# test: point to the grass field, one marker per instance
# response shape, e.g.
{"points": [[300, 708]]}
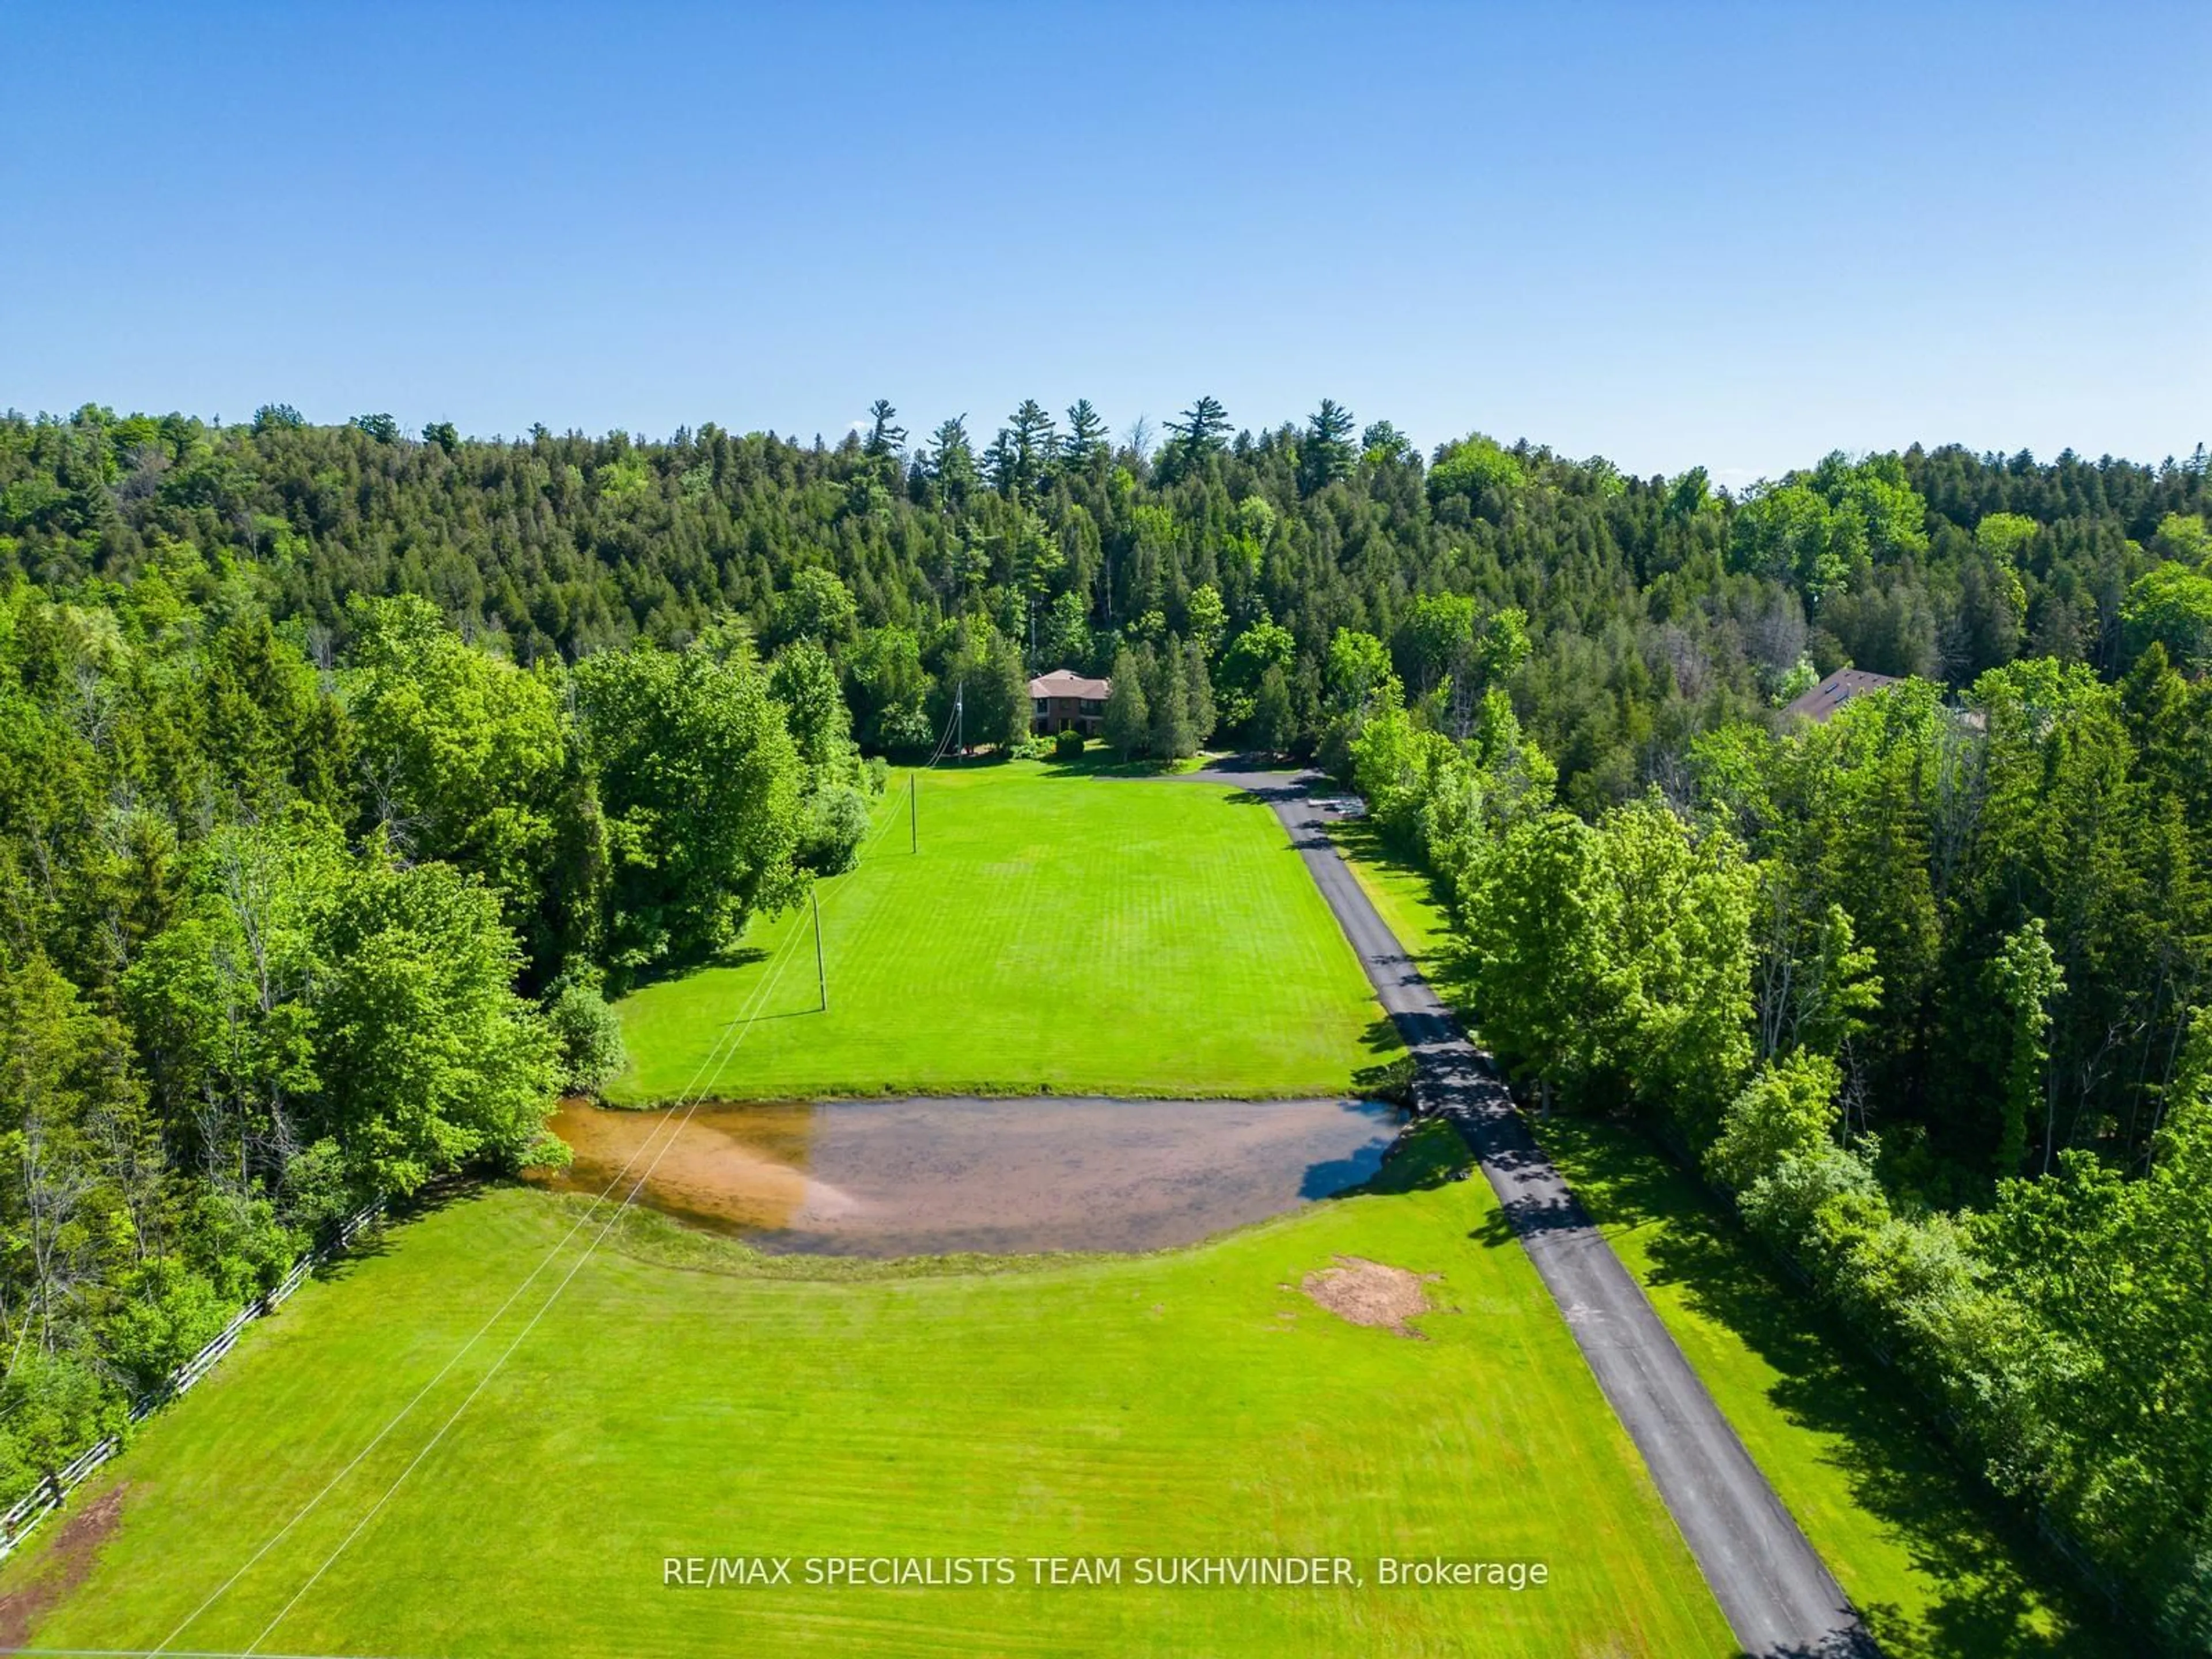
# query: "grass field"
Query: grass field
{"points": [[1931, 1560], [1057, 931], [1193, 1402]]}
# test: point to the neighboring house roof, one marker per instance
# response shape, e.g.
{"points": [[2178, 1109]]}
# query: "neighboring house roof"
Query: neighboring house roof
{"points": [[1066, 683], [1838, 688]]}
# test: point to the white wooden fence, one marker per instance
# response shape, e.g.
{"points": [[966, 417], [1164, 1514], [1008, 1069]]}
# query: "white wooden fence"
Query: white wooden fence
{"points": [[17, 1524]]}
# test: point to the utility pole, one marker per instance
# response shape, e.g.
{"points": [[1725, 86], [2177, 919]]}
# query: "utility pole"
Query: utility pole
{"points": [[913, 817], [821, 977], [960, 717]]}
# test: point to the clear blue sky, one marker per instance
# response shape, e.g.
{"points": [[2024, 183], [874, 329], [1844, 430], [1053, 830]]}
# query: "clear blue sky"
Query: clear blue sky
{"points": [[1669, 234]]}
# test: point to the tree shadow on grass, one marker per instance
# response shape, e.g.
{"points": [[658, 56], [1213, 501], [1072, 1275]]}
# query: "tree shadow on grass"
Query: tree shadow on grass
{"points": [[737, 956], [1105, 763], [1380, 1035], [368, 1244], [375, 1239], [976, 760], [1390, 1078], [1444, 961], [1361, 838], [738, 1020], [1984, 1559], [1449, 968], [659, 973]]}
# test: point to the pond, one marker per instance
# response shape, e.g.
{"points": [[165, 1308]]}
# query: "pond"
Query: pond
{"points": [[920, 1177]]}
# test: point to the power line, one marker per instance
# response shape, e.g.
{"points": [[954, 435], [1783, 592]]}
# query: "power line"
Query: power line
{"points": [[781, 960], [718, 1058], [400, 1416]]}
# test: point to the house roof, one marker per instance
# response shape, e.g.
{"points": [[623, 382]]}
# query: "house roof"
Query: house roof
{"points": [[1838, 688], [1066, 683]]}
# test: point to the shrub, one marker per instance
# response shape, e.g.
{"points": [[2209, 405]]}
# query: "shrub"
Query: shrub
{"points": [[53, 1406], [1787, 1110], [836, 822], [168, 1314], [589, 1035], [1813, 1205], [905, 729], [319, 1189], [1391, 1081], [1067, 745]]}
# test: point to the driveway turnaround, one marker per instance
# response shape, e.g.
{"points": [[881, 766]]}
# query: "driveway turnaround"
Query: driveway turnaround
{"points": [[1779, 1599]]}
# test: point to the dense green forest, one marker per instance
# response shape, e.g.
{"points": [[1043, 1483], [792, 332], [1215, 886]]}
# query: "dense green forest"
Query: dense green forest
{"points": [[343, 772]]}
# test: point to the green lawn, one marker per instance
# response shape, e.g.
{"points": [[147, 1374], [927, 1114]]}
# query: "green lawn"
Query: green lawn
{"points": [[1057, 931], [1193, 1402], [1935, 1564]]}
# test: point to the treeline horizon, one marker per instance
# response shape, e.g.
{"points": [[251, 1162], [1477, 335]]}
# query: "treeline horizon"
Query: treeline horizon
{"points": [[1142, 437], [1656, 605]]}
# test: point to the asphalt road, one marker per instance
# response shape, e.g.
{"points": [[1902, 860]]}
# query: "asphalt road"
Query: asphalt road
{"points": [[1779, 1597]]}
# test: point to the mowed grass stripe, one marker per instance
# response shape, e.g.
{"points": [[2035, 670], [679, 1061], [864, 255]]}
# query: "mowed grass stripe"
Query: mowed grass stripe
{"points": [[1056, 932], [1193, 1402]]}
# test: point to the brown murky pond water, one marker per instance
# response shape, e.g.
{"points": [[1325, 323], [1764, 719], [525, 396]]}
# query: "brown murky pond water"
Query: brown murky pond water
{"points": [[918, 1178]]}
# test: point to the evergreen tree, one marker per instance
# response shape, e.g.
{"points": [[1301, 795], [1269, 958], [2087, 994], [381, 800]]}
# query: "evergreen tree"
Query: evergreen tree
{"points": [[1325, 454], [885, 437], [1201, 432], [1167, 692], [1128, 715], [1198, 692], [1274, 722], [1085, 438], [1002, 463], [1035, 449], [2024, 978], [982, 672], [950, 461]]}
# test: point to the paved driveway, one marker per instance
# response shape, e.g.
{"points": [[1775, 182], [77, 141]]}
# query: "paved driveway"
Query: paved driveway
{"points": [[1779, 1596]]}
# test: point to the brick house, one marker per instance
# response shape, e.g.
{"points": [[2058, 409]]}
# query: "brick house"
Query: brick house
{"points": [[1063, 700]]}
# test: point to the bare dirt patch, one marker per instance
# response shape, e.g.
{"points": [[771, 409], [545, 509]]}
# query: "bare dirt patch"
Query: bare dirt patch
{"points": [[1364, 1292], [68, 1563], [928, 1176]]}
